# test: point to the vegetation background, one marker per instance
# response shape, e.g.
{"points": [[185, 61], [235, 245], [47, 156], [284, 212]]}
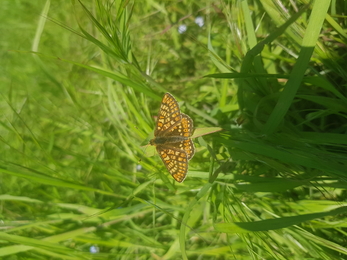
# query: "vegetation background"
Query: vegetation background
{"points": [[81, 82]]}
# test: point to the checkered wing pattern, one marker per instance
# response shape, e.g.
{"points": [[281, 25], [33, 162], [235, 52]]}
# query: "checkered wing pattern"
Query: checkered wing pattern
{"points": [[172, 138], [169, 115], [184, 129], [175, 161]]}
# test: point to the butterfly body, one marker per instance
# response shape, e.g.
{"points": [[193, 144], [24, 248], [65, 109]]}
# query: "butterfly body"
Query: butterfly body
{"points": [[172, 138], [167, 140]]}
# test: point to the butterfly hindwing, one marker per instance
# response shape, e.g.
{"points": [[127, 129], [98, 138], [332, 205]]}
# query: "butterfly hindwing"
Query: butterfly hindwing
{"points": [[175, 161]]}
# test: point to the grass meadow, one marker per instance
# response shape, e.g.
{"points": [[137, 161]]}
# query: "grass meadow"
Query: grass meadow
{"points": [[265, 83]]}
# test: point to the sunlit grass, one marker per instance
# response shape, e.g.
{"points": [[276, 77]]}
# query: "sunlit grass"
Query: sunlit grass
{"points": [[81, 87]]}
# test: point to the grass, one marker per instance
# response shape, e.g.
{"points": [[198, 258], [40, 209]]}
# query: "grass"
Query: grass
{"points": [[81, 84]]}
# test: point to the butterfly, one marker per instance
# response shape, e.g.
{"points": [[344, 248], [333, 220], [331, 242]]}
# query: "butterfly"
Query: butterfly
{"points": [[172, 138]]}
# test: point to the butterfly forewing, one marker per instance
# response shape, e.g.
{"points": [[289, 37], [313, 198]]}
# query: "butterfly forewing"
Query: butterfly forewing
{"points": [[183, 129], [169, 115]]}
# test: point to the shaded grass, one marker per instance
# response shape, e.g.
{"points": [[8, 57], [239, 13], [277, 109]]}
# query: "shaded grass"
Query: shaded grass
{"points": [[73, 171]]}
